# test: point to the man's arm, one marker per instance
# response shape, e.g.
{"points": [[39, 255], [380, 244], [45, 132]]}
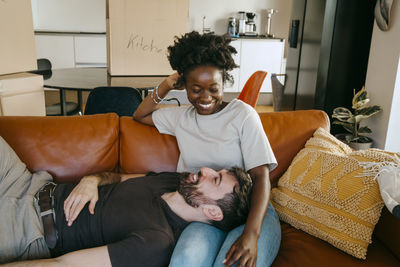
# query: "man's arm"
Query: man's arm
{"points": [[86, 191], [87, 257]]}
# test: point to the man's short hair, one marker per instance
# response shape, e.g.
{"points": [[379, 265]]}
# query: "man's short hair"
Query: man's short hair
{"points": [[236, 205]]}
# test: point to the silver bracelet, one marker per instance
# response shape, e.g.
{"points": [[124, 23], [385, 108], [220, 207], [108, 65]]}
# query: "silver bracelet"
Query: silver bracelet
{"points": [[154, 100], [158, 97]]}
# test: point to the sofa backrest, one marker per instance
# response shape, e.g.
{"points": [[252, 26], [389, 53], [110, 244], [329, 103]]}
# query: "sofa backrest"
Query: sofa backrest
{"points": [[288, 131], [143, 149], [67, 147]]}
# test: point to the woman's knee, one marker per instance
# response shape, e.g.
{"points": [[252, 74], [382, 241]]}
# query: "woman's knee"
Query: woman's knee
{"points": [[197, 246], [270, 238], [268, 242]]}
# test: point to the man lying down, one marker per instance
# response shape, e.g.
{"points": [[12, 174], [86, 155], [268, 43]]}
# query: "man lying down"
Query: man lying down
{"points": [[135, 222]]}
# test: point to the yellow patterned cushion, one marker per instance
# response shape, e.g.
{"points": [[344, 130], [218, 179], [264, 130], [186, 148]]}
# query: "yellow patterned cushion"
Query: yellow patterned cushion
{"points": [[326, 193]]}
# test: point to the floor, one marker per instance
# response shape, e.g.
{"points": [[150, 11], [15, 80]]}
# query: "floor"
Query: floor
{"points": [[262, 109]]}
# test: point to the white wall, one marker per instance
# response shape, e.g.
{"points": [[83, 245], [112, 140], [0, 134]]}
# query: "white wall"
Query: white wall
{"points": [[34, 4], [383, 70], [392, 137]]}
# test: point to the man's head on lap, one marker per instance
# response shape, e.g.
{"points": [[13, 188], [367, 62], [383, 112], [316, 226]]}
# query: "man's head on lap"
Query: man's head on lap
{"points": [[225, 194]]}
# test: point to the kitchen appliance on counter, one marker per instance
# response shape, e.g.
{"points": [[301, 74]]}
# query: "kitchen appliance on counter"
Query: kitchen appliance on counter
{"points": [[270, 12], [250, 24], [205, 29], [232, 32], [242, 23]]}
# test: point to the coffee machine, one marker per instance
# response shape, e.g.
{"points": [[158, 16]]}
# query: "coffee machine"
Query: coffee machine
{"points": [[250, 24]]}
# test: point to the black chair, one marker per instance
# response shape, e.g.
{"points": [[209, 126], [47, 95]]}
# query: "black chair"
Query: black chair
{"points": [[121, 100], [44, 68]]}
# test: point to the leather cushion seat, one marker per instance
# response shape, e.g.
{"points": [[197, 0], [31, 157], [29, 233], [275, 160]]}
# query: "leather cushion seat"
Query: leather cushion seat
{"points": [[301, 249]]}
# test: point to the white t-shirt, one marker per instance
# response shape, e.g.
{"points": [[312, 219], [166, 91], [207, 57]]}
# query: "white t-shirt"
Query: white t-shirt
{"points": [[231, 137]]}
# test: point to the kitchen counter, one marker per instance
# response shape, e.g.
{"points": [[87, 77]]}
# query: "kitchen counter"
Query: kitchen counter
{"points": [[263, 37]]}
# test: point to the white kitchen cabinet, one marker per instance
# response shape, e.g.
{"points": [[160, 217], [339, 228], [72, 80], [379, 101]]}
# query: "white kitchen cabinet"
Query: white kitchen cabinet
{"points": [[59, 49], [90, 51], [72, 50], [254, 55], [266, 55]]}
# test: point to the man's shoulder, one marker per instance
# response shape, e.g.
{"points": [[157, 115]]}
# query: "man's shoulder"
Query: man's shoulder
{"points": [[161, 181], [171, 174]]}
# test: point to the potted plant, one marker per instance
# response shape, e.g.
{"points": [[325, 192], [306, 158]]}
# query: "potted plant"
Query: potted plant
{"points": [[350, 121]]}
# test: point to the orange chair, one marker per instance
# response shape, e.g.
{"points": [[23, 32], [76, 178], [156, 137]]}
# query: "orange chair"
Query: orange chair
{"points": [[251, 89]]}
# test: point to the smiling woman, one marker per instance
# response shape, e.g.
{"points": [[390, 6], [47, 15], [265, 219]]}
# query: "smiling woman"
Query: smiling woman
{"points": [[204, 90], [219, 135]]}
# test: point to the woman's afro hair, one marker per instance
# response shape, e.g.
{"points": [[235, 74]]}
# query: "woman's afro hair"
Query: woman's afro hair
{"points": [[193, 49]]}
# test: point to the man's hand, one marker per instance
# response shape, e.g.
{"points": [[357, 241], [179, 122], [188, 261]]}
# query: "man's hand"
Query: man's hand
{"points": [[83, 192], [245, 249]]}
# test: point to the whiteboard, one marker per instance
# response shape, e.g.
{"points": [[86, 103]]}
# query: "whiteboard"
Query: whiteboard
{"points": [[69, 15]]}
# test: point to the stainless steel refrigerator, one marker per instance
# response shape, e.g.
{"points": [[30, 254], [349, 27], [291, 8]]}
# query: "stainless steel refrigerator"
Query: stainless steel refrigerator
{"points": [[329, 43]]}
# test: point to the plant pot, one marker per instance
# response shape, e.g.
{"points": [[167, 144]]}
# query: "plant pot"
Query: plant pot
{"points": [[342, 137], [360, 146], [353, 145]]}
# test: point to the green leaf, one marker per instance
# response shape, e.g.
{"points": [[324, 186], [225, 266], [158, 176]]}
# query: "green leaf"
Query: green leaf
{"points": [[347, 126], [362, 139], [368, 111], [360, 99], [360, 104], [350, 138], [342, 123], [342, 114], [359, 118], [364, 129]]}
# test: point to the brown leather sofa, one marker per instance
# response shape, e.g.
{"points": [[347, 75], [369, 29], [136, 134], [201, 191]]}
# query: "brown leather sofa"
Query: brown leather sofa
{"points": [[71, 147]]}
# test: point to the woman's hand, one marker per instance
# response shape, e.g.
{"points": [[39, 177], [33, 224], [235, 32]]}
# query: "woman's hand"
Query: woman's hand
{"points": [[245, 250], [145, 110], [85, 191], [172, 81]]}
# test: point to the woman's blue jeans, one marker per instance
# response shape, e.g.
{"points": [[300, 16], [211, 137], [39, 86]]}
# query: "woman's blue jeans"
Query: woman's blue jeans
{"points": [[202, 245]]}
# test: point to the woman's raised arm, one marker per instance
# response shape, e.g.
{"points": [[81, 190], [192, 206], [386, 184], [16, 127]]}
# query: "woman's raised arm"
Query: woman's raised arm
{"points": [[144, 112]]}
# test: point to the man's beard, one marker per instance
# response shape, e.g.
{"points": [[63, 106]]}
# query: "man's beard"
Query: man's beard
{"points": [[190, 193]]}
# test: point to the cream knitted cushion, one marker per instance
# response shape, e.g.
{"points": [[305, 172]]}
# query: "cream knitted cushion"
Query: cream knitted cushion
{"points": [[327, 193]]}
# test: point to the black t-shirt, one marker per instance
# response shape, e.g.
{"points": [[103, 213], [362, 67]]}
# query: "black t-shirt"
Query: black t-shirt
{"points": [[131, 218]]}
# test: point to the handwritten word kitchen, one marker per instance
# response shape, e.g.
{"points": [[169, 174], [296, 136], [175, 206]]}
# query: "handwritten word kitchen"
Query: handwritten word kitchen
{"points": [[137, 41]]}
